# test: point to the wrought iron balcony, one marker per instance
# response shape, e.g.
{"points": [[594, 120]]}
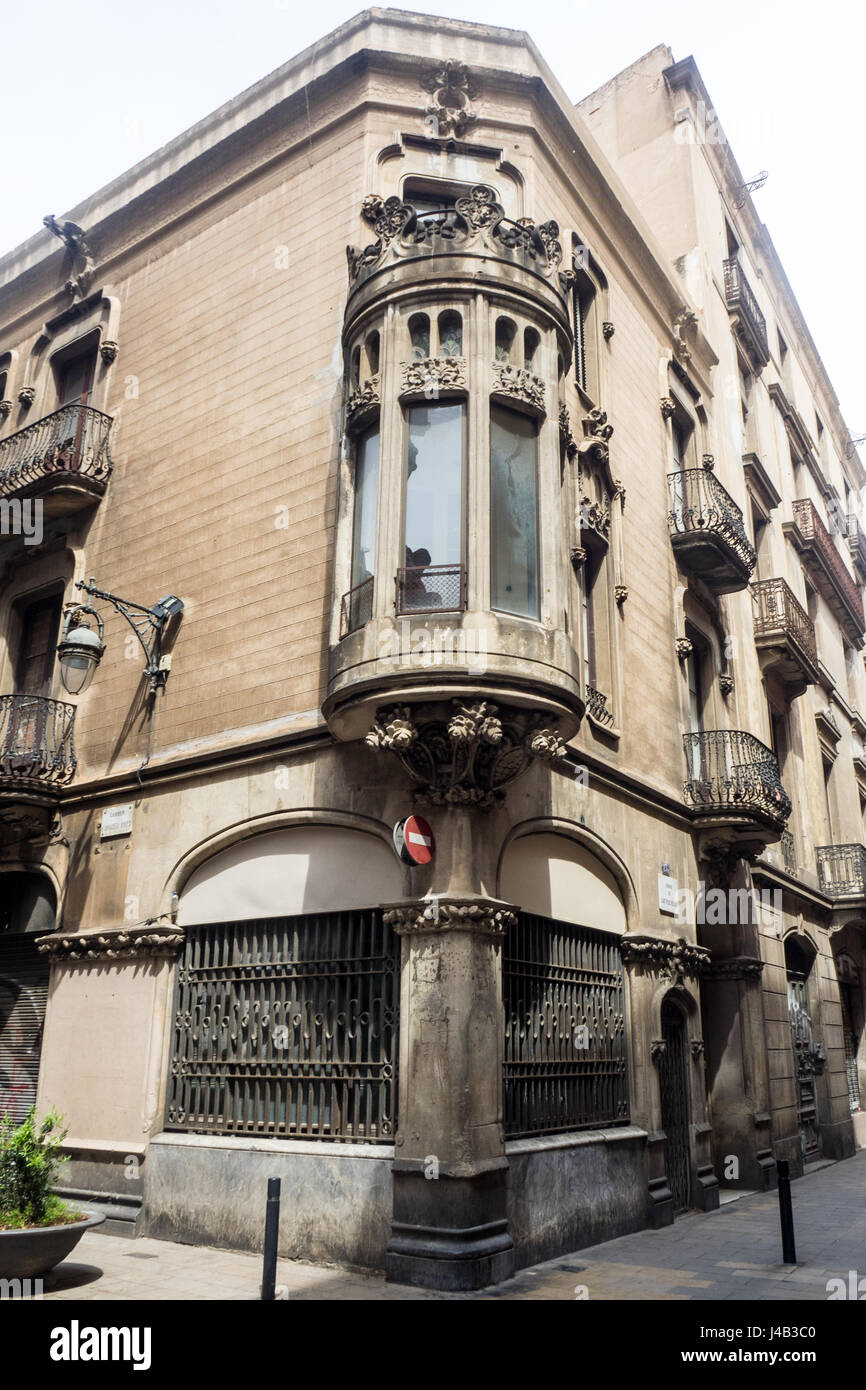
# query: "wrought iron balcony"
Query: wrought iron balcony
{"points": [[431, 589], [37, 757], [732, 775], [826, 566], [784, 634], [356, 607], [596, 707], [707, 531], [62, 458], [842, 870], [856, 539], [750, 324]]}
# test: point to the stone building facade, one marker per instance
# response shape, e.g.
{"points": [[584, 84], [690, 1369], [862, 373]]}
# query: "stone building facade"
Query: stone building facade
{"points": [[534, 514]]}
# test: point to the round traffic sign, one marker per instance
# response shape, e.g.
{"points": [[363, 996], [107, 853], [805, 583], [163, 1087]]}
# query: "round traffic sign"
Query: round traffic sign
{"points": [[414, 841]]}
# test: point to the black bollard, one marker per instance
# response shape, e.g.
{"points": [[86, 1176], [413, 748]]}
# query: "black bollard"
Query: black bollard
{"points": [[272, 1229], [786, 1213]]}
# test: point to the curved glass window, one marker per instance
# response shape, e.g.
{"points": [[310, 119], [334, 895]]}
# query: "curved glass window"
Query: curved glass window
{"points": [[513, 512]]}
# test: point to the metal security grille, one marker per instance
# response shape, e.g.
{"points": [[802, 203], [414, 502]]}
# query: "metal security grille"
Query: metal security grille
{"points": [[288, 1027], [804, 1062], [23, 994], [849, 1041], [565, 1051], [673, 1088]]}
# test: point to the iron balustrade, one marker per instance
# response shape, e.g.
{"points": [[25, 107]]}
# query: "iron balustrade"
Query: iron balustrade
{"points": [[740, 298], [431, 589], [778, 611], [596, 706], [789, 852], [699, 503], [732, 771], [288, 1028], [842, 870], [565, 1045], [813, 530], [36, 741], [72, 440], [356, 607], [856, 540]]}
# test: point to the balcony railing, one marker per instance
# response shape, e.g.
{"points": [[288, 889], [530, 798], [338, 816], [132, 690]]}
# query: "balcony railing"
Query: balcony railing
{"points": [[596, 706], [705, 520], [72, 442], [842, 870], [36, 743], [740, 299], [781, 620], [729, 771], [856, 541], [431, 589], [819, 544], [356, 607]]}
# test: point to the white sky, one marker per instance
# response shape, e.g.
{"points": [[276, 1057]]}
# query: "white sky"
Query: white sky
{"points": [[95, 85]]}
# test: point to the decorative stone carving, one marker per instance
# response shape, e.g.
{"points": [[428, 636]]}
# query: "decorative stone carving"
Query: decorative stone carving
{"points": [[469, 757], [667, 407], [619, 491], [697, 1046], [596, 436], [27, 395], [433, 375], [594, 516], [608, 330], [5, 408], [451, 914], [684, 647], [620, 593], [521, 385], [108, 351], [672, 961], [363, 402], [74, 239], [726, 683], [577, 555], [567, 439], [658, 1047], [452, 88], [735, 968], [685, 319], [709, 462], [152, 939], [549, 233]]}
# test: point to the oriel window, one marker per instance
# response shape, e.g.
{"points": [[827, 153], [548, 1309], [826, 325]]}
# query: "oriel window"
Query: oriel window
{"points": [[513, 512]]}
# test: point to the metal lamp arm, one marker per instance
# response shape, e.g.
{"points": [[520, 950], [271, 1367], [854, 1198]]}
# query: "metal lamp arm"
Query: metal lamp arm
{"points": [[147, 626]]}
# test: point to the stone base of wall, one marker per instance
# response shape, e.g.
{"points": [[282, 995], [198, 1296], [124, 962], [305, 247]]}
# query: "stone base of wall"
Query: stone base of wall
{"points": [[336, 1199], [837, 1140], [106, 1176], [859, 1123], [568, 1191]]}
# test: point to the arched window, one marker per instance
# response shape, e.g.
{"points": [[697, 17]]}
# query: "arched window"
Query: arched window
{"points": [[450, 334], [513, 512], [355, 369], [530, 347], [371, 348], [419, 336], [506, 332]]}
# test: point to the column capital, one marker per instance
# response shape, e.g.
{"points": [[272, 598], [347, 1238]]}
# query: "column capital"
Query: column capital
{"points": [[465, 913]]}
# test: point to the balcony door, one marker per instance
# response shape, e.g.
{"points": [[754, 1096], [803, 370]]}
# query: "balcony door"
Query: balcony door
{"points": [[24, 751], [696, 665], [74, 385]]}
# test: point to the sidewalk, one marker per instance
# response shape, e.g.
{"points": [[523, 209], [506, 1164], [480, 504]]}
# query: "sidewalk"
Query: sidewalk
{"points": [[733, 1253]]}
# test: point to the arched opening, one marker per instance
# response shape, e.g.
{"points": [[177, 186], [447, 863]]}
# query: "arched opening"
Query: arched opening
{"points": [[675, 1105], [27, 911], [419, 336], [799, 959], [506, 332], [450, 334]]}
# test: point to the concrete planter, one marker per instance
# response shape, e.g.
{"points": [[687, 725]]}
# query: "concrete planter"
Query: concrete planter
{"points": [[24, 1254]]}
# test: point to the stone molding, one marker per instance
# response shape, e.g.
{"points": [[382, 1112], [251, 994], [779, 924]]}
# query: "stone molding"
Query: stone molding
{"points": [[114, 944], [363, 403], [484, 917], [670, 960], [430, 376], [452, 88], [734, 968], [518, 384]]}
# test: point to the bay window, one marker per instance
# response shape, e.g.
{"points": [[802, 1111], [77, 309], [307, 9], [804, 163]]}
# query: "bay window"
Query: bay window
{"points": [[513, 512], [432, 579]]}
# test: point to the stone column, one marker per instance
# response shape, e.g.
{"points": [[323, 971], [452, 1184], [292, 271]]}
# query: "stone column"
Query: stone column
{"points": [[450, 1227]]}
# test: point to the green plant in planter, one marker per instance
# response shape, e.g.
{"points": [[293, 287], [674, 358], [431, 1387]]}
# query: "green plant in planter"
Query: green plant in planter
{"points": [[30, 1161]]}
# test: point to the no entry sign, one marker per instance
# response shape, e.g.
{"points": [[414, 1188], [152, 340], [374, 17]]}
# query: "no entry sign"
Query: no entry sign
{"points": [[413, 840]]}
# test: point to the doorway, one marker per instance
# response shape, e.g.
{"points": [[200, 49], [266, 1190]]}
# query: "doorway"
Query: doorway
{"points": [[676, 1110], [798, 965]]}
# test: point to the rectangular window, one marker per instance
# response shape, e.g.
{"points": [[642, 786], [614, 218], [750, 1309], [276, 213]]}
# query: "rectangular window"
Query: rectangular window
{"points": [[513, 513], [360, 596], [432, 580], [40, 622]]}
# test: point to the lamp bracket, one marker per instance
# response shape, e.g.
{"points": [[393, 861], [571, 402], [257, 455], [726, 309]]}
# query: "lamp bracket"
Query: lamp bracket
{"points": [[148, 625]]}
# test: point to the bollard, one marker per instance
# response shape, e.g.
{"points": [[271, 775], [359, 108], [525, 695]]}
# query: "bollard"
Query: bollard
{"points": [[786, 1213], [272, 1228]]}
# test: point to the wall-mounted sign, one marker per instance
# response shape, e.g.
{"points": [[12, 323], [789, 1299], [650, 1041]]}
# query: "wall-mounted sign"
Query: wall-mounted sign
{"points": [[414, 841], [116, 820], [668, 894]]}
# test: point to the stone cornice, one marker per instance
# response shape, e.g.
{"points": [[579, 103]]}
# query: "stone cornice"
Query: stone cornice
{"points": [[485, 916], [734, 968], [150, 940], [669, 959]]}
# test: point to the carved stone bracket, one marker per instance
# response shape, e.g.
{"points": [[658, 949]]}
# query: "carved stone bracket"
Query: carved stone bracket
{"points": [[567, 439], [108, 351], [518, 384], [486, 917], [115, 944], [27, 395], [430, 376], [671, 960], [726, 683], [5, 408], [594, 516], [608, 330], [596, 436], [697, 1046], [620, 593], [734, 968], [685, 320], [577, 555], [684, 648], [658, 1047], [469, 757], [667, 407], [363, 403], [452, 88]]}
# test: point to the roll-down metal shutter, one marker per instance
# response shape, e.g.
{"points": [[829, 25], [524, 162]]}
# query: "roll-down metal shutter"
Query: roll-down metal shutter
{"points": [[23, 994]]}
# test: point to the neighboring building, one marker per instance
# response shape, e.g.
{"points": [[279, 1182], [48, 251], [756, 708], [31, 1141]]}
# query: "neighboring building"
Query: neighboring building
{"points": [[539, 519]]}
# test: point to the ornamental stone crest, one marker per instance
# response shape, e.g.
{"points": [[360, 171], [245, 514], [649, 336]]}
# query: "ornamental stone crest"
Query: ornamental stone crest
{"points": [[362, 403], [519, 384], [594, 516], [596, 436], [153, 939], [452, 89], [468, 757], [567, 439], [433, 375], [686, 320]]}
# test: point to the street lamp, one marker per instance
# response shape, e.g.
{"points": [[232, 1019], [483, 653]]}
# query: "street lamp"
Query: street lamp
{"points": [[80, 648]]}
